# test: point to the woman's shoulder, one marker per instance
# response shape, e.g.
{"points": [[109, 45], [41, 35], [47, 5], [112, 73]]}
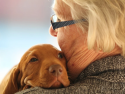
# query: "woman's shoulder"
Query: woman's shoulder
{"points": [[112, 63]]}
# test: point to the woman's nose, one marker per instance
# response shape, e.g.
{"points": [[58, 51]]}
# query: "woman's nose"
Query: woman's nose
{"points": [[52, 32]]}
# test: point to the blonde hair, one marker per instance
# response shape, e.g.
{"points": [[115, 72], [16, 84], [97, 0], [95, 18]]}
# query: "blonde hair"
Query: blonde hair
{"points": [[105, 22]]}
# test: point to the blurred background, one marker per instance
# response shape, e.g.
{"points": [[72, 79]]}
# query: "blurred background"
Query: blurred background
{"points": [[23, 23]]}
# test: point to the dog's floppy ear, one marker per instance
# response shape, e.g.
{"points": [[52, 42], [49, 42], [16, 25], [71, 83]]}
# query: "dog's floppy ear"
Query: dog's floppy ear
{"points": [[13, 84]]}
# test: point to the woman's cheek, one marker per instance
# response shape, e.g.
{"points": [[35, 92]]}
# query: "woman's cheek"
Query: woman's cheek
{"points": [[61, 38]]}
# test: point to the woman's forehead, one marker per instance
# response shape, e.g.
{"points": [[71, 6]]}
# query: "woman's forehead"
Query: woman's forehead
{"points": [[58, 6], [61, 9]]}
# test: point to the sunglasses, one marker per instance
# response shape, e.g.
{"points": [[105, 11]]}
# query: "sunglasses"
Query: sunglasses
{"points": [[57, 23]]}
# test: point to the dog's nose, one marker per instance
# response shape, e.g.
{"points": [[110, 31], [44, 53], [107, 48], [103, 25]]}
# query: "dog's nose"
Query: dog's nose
{"points": [[56, 70]]}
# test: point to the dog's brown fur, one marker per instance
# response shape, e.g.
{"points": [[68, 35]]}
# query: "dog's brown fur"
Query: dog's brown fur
{"points": [[30, 73]]}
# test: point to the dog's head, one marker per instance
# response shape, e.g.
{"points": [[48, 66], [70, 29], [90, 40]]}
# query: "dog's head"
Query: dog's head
{"points": [[43, 66]]}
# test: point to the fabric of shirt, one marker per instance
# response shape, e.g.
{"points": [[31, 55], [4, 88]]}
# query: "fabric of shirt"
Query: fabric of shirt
{"points": [[104, 76]]}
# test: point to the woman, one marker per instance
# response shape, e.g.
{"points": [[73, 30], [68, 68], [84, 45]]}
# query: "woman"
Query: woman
{"points": [[100, 34], [93, 43]]}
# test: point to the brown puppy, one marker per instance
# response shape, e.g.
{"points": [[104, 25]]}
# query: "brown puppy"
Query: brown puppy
{"points": [[42, 65]]}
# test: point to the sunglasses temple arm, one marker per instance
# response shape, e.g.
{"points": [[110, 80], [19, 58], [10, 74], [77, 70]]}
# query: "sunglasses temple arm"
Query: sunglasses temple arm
{"points": [[62, 24], [65, 23]]}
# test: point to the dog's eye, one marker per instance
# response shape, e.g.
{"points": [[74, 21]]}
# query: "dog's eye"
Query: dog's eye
{"points": [[33, 59], [60, 55]]}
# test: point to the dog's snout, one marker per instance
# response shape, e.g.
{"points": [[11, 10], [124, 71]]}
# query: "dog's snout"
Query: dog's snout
{"points": [[56, 70]]}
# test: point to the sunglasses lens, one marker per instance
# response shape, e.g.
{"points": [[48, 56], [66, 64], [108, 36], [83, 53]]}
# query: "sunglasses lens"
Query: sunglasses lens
{"points": [[54, 18]]}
